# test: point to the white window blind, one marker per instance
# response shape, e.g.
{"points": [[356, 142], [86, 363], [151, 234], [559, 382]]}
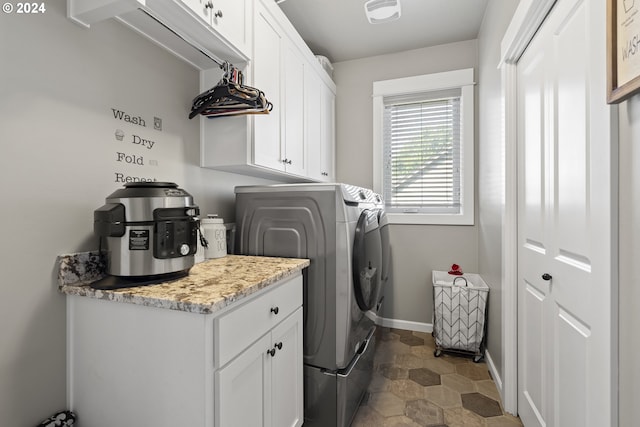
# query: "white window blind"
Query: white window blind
{"points": [[423, 152]]}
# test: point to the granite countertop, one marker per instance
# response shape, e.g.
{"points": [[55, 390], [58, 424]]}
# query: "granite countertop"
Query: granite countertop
{"points": [[210, 286]]}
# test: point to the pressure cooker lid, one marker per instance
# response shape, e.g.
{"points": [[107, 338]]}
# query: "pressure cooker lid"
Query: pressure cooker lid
{"points": [[151, 184], [153, 189]]}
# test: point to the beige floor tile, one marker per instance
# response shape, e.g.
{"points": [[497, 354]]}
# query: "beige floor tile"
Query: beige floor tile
{"points": [[378, 383], [458, 383], [424, 413], [367, 417], [440, 366], [393, 371], [422, 351], [387, 350], [409, 361], [488, 388], [474, 371], [412, 340], [443, 396], [460, 417], [406, 389], [455, 359], [388, 336], [386, 403], [504, 421], [400, 421]]}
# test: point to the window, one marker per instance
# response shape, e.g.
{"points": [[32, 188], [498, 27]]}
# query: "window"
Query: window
{"points": [[423, 147]]}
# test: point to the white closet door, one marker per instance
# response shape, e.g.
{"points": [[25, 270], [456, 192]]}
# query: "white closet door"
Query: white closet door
{"points": [[565, 215]]}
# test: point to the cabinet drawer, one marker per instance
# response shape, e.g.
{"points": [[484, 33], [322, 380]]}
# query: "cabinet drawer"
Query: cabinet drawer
{"points": [[237, 329]]}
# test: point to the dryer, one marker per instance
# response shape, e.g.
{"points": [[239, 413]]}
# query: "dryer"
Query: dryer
{"points": [[337, 227]]}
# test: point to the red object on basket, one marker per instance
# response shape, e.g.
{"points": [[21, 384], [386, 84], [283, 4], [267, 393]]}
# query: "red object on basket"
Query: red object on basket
{"points": [[455, 270]]}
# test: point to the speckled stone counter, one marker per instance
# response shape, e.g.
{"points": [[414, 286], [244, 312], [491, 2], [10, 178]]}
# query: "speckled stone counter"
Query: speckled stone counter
{"points": [[209, 287]]}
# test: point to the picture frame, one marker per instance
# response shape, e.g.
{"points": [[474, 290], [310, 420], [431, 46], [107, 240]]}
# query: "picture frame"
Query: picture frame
{"points": [[623, 49]]}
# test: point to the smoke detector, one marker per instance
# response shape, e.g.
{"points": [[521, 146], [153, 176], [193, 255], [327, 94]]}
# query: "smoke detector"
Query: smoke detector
{"points": [[381, 11]]}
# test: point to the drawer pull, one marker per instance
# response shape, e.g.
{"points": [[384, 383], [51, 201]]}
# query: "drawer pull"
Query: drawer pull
{"points": [[275, 310], [271, 352], [279, 345]]}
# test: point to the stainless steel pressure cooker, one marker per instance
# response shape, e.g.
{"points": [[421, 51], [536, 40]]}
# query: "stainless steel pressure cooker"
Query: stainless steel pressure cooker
{"points": [[151, 230]]}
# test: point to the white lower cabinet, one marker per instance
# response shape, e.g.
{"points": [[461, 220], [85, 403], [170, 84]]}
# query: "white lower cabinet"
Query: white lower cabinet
{"points": [[266, 377], [134, 365]]}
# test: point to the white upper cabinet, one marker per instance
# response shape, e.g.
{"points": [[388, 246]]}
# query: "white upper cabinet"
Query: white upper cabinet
{"points": [[268, 53], [293, 118], [229, 18], [320, 128], [294, 142], [278, 70]]}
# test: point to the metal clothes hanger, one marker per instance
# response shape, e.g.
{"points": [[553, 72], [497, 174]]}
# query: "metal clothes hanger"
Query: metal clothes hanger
{"points": [[230, 97]]}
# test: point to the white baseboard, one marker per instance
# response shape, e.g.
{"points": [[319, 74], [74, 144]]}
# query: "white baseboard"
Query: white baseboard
{"points": [[400, 324], [494, 373]]}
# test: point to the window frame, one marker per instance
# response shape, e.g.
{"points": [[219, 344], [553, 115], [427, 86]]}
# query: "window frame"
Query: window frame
{"points": [[457, 79]]}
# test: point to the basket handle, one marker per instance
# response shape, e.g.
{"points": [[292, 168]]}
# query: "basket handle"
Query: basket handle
{"points": [[460, 277]]}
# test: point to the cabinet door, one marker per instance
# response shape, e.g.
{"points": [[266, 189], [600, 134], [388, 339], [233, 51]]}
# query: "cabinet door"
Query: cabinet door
{"points": [[313, 122], [241, 388], [286, 373], [293, 118], [267, 55], [200, 8], [228, 17], [328, 138]]}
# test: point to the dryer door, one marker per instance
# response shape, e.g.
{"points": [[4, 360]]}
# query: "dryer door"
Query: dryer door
{"points": [[367, 260]]}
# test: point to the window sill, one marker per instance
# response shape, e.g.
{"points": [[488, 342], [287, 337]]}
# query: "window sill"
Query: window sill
{"points": [[430, 219]]}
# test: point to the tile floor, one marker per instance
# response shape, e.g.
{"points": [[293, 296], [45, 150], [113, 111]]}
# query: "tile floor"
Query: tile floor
{"points": [[412, 388]]}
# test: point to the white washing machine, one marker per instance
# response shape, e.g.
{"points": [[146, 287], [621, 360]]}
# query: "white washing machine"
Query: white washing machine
{"points": [[337, 227]]}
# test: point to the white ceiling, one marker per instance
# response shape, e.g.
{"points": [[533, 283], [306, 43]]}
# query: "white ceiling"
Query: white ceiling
{"points": [[339, 30]]}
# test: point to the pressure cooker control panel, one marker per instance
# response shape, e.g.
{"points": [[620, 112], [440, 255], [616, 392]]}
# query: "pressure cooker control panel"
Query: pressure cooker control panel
{"points": [[175, 233]]}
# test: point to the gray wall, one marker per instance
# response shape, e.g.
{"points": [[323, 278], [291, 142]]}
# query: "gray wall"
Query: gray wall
{"points": [[417, 250], [57, 87], [491, 165], [629, 268]]}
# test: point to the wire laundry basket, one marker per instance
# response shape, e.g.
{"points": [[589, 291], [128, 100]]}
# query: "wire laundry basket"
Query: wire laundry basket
{"points": [[460, 313]]}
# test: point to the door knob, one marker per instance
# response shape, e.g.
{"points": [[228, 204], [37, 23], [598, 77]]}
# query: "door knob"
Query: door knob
{"points": [[546, 276]]}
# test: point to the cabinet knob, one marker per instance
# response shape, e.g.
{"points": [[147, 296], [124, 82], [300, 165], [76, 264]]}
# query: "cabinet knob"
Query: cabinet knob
{"points": [[218, 14], [275, 310], [279, 345], [286, 161], [271, 352], [209, 5], [546, 276]]}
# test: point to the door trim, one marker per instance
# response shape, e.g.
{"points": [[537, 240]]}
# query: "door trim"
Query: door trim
{"points": [[525, 23]]}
